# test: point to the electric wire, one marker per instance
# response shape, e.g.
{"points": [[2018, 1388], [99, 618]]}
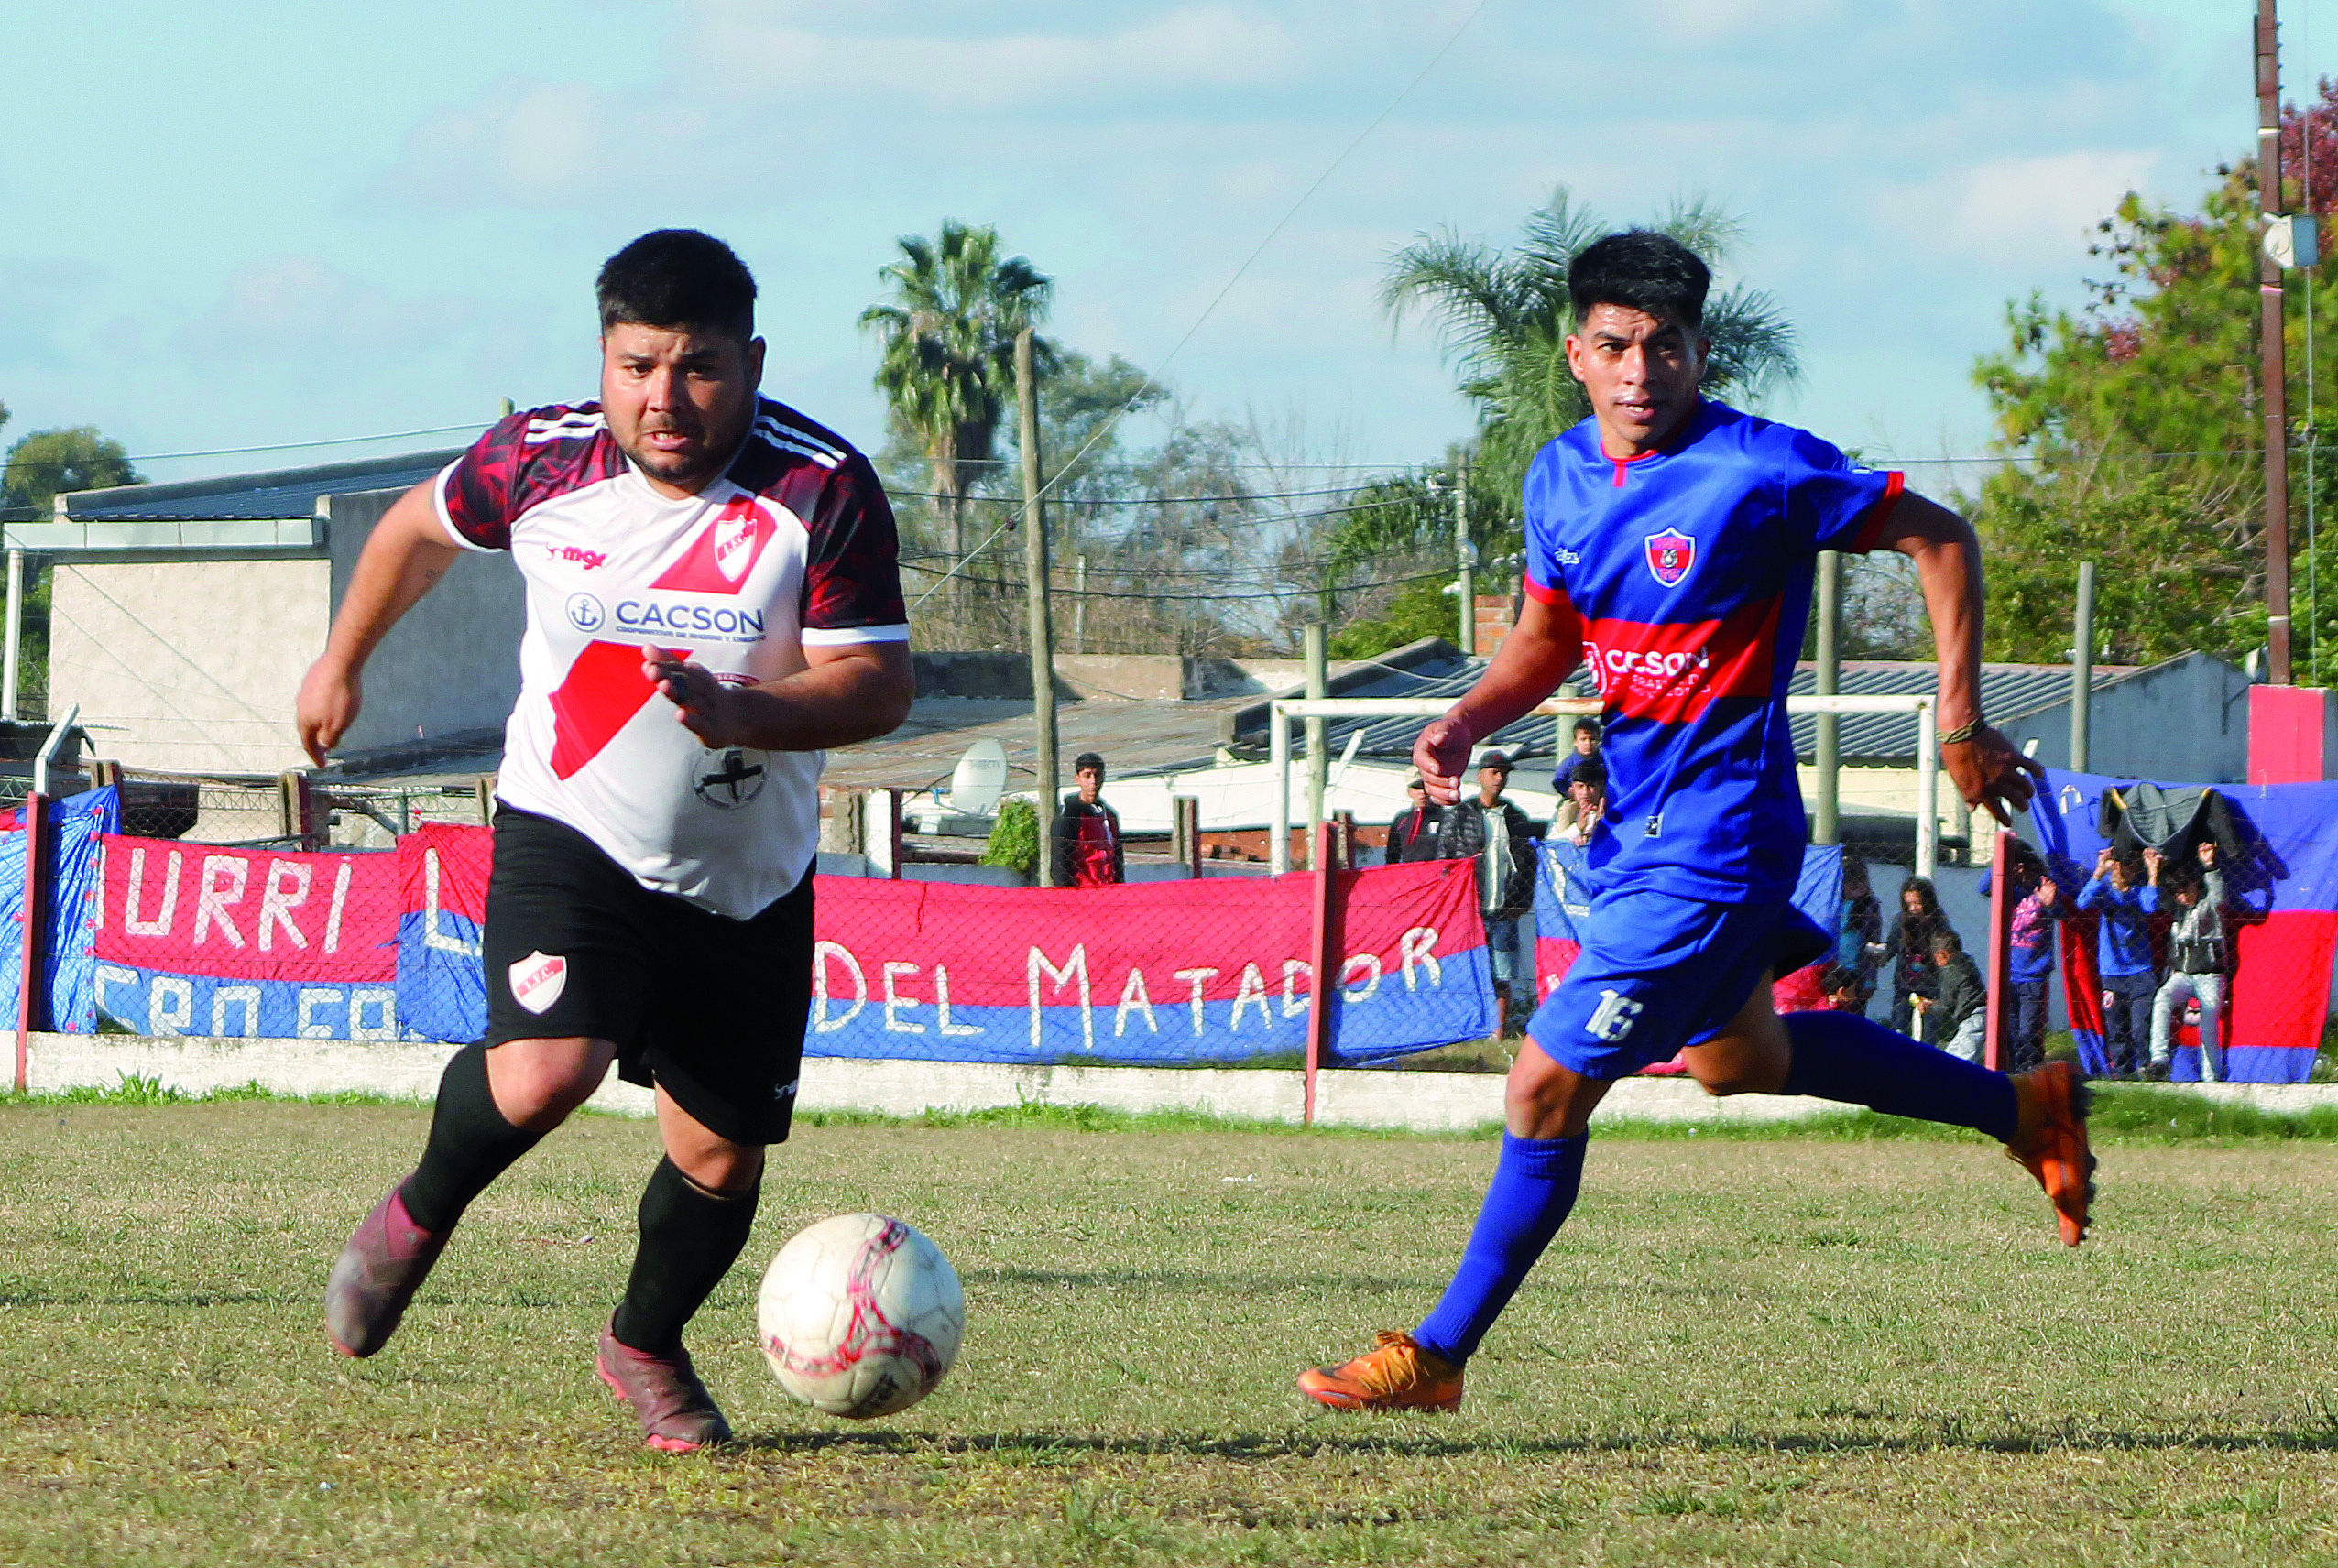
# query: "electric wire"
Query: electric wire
{"points": [[1105, 427]]}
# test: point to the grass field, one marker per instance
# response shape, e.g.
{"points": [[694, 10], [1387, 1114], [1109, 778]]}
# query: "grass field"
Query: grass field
{"points": [[1779, 1349]]}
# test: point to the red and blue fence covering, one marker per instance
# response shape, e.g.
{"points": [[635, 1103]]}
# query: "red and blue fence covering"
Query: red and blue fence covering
{"points": [[164, 938]]}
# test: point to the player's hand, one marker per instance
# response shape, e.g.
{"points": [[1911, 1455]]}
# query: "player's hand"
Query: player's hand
{"points": [[330, 698], [1442, 753], [1992, 775], [703, 704]]}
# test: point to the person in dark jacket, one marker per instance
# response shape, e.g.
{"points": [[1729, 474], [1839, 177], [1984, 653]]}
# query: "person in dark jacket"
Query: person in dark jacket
{"points": [[2122, 955], [1499, 837], [1907, 953], [1413, 836], [1087, 831], [2199, 957], [1859, 929], [1957, 1017]]}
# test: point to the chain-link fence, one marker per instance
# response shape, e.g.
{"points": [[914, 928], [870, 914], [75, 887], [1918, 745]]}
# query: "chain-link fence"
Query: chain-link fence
{"points": [[292, 811]]}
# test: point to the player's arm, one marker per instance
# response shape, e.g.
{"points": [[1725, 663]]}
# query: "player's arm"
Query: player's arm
{"points": [[848, 692], [1988, 771], [1542, 650], [405, 555]]}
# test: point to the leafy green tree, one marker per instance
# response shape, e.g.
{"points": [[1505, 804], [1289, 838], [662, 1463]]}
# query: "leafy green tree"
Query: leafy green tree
{"points": [[948, 367], [2137, 427], [48, 464], [1504, 317]]}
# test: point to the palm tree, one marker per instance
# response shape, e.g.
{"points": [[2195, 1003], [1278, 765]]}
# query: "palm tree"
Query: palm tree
{"points": [[948, 335], [1504, 317]]}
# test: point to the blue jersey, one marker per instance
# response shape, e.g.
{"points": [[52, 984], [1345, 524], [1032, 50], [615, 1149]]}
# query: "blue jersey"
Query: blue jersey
{"points": [[1689, 568]]}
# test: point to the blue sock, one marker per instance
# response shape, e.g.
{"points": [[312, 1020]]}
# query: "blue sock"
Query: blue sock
{"points": [[1841, 1056], [1533, 1189]]}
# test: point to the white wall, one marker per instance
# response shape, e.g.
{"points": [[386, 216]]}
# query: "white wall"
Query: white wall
{"points": [[452, 664], [188, 665]]}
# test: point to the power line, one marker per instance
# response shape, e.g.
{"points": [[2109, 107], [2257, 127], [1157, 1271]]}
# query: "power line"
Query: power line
{"points": [[277, 446]]}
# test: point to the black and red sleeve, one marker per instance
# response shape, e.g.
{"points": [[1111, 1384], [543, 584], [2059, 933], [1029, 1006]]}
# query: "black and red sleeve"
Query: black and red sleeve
{"points": [[852, 578], [476, 490]]}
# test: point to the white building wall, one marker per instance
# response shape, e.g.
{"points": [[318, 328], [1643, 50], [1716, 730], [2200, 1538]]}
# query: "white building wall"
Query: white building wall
{"points": [[452, 664], [190, 665]]}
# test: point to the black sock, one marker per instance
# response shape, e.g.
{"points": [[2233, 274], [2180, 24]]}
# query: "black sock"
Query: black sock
{"points": [[690, 1237], [470, 1144]]}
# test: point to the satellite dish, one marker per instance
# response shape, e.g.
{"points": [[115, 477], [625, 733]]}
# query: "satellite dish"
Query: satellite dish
{"points": [[978, 780]]}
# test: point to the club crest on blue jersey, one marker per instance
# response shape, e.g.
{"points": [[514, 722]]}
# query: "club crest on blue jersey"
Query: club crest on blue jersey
{"points": [[1670, 555]]}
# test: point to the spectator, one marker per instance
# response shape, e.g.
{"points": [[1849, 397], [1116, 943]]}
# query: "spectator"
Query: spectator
{"points": [[2198, 958], [1841, 990], [1907, 953], [1087, 831], [2122, 955], [1496, 835], [1587, 749], [2039, 902], [1413, 836], [1859, 929], [1957, 1016], [1585, 811]]}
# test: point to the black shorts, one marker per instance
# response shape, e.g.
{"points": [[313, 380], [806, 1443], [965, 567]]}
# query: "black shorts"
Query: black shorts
{"points": [[710, 1008]]}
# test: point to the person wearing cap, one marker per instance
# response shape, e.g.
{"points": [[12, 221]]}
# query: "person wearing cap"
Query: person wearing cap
{"points": [[1586, 753], [1584, 810], [1413, 836], [1497, 836], [1087, 831]]}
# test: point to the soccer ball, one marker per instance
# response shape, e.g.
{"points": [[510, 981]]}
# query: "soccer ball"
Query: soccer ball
{"points": [[860, 1316]]}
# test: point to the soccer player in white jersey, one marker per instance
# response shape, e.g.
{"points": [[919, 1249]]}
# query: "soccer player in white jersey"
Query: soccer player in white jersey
{"points": [[712, 601]]}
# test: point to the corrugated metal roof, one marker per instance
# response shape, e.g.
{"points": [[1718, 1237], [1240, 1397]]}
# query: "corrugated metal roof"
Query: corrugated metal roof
{"points": [[1886, 739], [282, 493]]}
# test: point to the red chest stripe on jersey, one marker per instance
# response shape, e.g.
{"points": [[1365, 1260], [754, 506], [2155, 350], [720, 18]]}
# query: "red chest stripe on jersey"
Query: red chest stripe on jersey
{"points": [[604, 689], [725, 552], [1669, 672]]}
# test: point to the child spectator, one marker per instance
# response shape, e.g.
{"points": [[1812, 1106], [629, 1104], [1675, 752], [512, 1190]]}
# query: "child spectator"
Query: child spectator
{"points": [[2122, 955], [2039, 902], [2198, 958], [1907, 953], [1859, 929], [1957, 1017], [1587, 749]]}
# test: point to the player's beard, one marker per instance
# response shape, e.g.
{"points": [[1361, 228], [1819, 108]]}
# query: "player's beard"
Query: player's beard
{"points": [[689, 469]]}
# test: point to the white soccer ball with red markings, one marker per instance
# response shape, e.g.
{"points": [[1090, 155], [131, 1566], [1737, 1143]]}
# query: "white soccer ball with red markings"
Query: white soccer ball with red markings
{"points": [[860, 1316]]}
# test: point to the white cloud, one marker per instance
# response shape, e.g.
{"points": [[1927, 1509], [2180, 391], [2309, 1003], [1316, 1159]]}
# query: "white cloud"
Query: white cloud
{"points": [[1195, 45], [2025, 213], [1708, 21], [314, 315]]}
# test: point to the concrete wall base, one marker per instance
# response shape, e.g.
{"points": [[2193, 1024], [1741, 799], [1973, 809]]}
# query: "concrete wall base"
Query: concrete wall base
{"points": [[1421, 1102]]}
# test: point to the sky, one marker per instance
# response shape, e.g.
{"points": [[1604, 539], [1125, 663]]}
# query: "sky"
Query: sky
{"points": [[254, 226]]}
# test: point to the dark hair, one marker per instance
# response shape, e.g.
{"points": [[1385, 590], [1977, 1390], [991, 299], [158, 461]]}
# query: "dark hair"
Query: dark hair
{"points": [[1640, 270], [1086, 761], [1587, 725], [1590, 772], [678, 277], [1926, 898], [1946, 941], [1838, 977]]}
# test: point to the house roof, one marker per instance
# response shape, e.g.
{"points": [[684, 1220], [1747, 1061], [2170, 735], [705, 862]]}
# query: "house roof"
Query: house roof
{"points": [[1436, 670], [282, 493]]}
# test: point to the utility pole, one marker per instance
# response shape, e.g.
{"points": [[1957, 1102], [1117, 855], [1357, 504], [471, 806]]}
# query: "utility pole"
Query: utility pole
{"points": [[1465, 557], [1319, 759], [2083, 671], [1825, 753], [2275, 370], [1043, 637]]}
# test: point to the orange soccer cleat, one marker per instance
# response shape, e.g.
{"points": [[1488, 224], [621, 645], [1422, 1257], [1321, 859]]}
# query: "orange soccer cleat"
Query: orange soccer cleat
{"points": [[1396, 1376], [2050, 1141]]}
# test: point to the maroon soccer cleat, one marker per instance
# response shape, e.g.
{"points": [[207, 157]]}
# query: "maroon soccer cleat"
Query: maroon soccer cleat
{"points": [[376, 1275], [678, 1416]]}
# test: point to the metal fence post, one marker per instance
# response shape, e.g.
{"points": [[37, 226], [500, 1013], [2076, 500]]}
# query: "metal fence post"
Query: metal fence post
{"points": [[2001, 926], [30, 968], [1325, 955]]}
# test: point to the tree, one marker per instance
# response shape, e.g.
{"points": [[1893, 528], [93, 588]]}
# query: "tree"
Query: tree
{"points": [[947, 369], [2136, 426], [48, 464], [1504, 317]]}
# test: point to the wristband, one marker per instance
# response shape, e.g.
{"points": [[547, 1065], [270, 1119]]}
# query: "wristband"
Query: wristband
{"points": [[1961, 733]]}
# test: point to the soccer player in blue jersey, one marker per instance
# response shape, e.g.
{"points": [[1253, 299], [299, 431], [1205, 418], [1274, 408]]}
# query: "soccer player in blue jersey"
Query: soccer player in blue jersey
{"points": [[1670, 543]]}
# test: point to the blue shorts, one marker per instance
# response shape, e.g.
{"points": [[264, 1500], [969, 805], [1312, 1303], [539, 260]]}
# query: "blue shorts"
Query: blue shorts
{"points": [[1658, 972]]}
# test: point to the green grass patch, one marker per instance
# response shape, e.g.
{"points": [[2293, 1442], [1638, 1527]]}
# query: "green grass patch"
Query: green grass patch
{"points": [[1742, 1350]]}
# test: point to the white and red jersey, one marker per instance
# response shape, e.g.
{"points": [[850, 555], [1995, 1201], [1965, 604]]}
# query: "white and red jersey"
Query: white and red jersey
{"points": [[792, 546]]}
